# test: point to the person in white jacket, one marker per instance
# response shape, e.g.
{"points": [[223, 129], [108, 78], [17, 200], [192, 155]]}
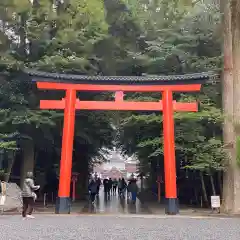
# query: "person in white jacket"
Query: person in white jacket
{"points": [[28, 195]]}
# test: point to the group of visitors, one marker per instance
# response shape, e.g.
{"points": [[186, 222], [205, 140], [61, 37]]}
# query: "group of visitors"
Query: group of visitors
{"points": [[112, 186], [131, 187]]}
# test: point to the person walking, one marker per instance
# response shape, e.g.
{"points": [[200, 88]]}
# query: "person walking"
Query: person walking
{"points": [[99, 182], [106, 187], [115, 184], [110, 185], [93, 188], [133, 189], [29, 196], [119, 185], [122, 186], [128, 189]]}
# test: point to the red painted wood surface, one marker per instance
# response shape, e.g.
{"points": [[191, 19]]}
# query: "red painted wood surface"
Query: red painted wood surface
{"points": [[114, 88], [169, 146], [67, 144], [118, 105]]}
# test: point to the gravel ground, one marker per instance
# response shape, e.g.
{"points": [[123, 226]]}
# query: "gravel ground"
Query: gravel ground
{"points": [[122, 227]]}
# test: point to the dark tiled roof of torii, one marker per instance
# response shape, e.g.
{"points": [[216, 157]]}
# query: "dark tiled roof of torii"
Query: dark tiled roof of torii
{"points": [[145, 79]]}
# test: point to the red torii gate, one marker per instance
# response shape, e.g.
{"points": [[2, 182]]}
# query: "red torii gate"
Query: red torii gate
{"points": [[73, 83]]}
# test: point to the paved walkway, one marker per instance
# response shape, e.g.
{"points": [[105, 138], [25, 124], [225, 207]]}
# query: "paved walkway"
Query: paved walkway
{"points": [[113, 205], [123, 227], [114, 219], [103, 205]]}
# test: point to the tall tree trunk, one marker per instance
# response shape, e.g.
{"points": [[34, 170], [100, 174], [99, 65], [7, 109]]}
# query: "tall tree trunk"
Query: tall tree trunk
{"points": [[10, 165], [227, 105], [23, 35], [205, 197], [196, 196], [28, 159], [213, 185], [236, 97], [220, 184]]}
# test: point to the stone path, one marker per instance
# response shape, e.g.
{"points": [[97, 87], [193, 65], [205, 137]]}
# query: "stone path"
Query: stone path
{"points": [[122, 227], [114, 219], [113, 205]]}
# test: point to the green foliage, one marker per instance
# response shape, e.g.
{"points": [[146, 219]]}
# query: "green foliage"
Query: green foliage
{"points": [[183, 41], [9, 145], [52, 36], [208, 156]]}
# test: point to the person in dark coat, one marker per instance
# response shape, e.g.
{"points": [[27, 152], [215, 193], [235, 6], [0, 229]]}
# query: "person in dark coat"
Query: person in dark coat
{"points": [[110, 185], [119, 185], [115, 184], [133, 189], [93, 187], [106, 186], [99, 182], [122, 186]]}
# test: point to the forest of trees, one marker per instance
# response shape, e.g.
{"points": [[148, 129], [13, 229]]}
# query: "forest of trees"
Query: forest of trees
{"points": [[125, 37]]}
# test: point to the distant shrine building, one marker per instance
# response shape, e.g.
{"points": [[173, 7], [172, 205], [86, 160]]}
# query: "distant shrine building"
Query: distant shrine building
{"points": [[117, 167]]}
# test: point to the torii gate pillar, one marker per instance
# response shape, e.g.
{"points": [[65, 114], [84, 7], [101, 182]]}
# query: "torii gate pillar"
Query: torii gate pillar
{"points": [[169, 154], [63, 201]]}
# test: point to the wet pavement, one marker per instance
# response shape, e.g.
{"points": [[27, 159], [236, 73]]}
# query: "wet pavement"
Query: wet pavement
{"points": [[114, 218], [122, 227], [113, 204]]}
